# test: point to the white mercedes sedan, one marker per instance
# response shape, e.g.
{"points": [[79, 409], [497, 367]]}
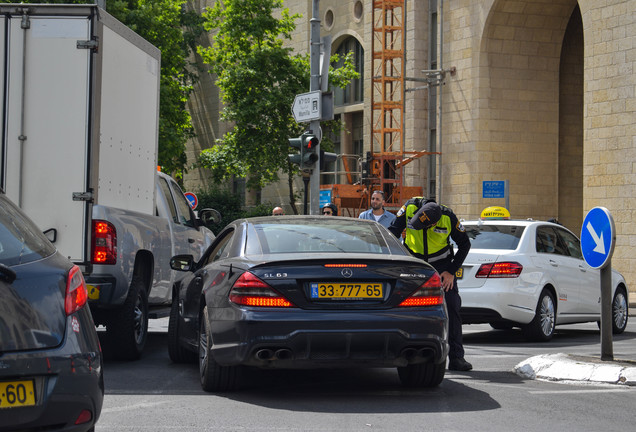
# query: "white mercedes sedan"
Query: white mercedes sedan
{"points": [[531, 274]]}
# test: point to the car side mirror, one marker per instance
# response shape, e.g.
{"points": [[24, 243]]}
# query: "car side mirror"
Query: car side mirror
{"points": [[209, 216], [182, 262]]}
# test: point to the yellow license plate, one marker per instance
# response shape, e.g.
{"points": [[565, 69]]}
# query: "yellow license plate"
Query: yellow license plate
{"points": [[459, 273], [93, 292], [347, 291], [17, 393]]}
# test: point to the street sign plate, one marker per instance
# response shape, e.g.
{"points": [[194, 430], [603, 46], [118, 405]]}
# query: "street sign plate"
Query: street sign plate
{"points": [[598, 237], [494, 189], [307, 107]]}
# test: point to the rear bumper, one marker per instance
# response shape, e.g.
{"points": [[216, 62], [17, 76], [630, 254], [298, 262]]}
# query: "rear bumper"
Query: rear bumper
{"points": [[67, 380], [313, 339], [504, 301]]}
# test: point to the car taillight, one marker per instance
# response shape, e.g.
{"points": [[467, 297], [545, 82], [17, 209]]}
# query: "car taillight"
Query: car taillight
{"points": [[84, 417], [499, 270], [76, 292], [104, 250], [249, 290], [430, 293]]}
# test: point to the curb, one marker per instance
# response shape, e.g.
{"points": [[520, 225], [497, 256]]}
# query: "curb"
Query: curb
{"points": [[565, 367]]}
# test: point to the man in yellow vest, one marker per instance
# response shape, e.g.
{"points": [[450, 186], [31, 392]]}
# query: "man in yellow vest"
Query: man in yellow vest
{"points": [[428, 229]]}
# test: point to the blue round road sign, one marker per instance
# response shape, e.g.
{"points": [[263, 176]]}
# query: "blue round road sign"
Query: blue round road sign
{"points": [[598, 237], [192, 199]]}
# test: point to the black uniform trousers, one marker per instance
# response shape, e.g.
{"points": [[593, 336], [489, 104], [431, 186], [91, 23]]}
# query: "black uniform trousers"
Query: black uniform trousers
{"points": [[453, 304], [455, 339]]}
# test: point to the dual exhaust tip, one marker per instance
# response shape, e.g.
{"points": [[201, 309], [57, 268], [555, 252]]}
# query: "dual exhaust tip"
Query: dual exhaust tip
{"points": [[411, 354], [274, 354]]}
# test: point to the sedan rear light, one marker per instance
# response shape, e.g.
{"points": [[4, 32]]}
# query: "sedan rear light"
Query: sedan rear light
{"points": [[84, 417], [430, 293], [499, 270], [249, 290], [104, 243], [76, 292]]}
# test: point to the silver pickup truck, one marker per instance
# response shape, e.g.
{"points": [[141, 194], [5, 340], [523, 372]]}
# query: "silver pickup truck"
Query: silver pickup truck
{"points": [[130, 275], [78, 154]]}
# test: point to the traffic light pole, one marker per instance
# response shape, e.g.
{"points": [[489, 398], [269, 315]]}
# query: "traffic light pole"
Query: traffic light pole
{"points": [[314, 85]]}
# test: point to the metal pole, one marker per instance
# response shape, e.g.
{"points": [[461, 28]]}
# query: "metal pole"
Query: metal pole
{"points": [[314, 85], [306, 182], [607, 350], [440, 66]]}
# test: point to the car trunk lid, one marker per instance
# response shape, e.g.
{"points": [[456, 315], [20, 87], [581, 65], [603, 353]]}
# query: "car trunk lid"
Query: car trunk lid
{"points": [[351, 283], [32, 307]]}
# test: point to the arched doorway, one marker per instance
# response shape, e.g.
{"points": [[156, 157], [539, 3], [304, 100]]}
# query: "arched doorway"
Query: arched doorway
{"points": [[531, 102]]}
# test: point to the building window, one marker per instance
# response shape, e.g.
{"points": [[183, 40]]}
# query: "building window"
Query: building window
{"points": [[354, 92]]}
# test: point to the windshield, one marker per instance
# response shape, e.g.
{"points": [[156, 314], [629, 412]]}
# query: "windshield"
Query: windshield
{"points": [[483, 236]]}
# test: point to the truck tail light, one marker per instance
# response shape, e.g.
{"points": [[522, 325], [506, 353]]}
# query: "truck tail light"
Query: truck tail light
{"points": [[430, 293], [499, 270], [249, 290], [104, 247], [76, 292]]}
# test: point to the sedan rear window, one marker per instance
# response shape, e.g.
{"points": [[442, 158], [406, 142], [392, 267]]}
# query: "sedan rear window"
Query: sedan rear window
{"points": [[326, 236], [20, 240], [504, 237]]}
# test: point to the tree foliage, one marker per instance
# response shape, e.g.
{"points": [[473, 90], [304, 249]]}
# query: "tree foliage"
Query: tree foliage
{"points": [[259, 77], [229, 205]]}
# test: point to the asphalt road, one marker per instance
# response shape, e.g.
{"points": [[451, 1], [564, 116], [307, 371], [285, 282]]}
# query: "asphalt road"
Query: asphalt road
{"points": [[154, 394]]}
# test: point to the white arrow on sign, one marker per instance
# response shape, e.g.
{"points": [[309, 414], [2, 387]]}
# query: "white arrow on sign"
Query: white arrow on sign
{"points": [[600, 245]]}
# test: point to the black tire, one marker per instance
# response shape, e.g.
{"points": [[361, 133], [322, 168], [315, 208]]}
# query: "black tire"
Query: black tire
{"points": [[127, 327], [214, 377], [422, 374], [620, 311], [541, 328], [177, 352]]}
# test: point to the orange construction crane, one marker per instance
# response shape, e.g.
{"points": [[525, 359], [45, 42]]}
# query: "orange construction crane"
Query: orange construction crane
{"points": [[383, 168]]}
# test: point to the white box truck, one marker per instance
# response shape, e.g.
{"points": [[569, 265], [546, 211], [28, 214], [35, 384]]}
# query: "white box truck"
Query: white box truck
{"points": [[79, 112]]}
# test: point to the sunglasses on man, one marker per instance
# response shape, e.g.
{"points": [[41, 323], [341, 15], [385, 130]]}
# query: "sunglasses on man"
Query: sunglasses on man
{"points": [[327, 212]]}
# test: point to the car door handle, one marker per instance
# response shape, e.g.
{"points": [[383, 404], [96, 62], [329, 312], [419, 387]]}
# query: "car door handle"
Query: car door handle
{"points": [[553, 263]]}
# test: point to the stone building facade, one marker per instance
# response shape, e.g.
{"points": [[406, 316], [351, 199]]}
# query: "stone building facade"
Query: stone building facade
{"points": [[543, 95]]}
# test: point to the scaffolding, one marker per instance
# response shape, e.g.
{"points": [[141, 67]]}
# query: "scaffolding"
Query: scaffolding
{"points": [[384, 166]]}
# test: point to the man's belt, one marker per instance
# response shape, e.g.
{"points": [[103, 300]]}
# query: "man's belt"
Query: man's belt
{"points": [[439, 257]]}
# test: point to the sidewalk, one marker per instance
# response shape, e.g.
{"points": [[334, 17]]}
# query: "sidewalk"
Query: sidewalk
{"points": [[566, 367], [585, 369]]}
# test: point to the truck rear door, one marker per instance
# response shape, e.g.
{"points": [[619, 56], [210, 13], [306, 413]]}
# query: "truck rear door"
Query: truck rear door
{"points": [[45, 98]]}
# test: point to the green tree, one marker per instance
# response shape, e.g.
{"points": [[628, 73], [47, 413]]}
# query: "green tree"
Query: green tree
{"points": [[168, 26], [258, 77]]}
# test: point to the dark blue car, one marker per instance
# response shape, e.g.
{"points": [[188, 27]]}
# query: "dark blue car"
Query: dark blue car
{"points": [[304, 292], [51, 374]]}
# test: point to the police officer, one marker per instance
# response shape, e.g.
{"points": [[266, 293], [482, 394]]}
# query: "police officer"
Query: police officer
{"points": [[428, 228]]}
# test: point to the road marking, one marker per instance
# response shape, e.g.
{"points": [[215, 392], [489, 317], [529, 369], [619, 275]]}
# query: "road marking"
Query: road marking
{"points": [[603, 390], [133, 407]]}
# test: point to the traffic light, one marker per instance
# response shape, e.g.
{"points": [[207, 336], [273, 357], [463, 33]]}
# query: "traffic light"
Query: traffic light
{"points": [[326, 157], [307, 145], [296, 158], [310, 150]]}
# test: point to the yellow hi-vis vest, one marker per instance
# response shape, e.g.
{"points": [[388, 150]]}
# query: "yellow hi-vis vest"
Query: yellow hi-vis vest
{"points": [[436, 237]]}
